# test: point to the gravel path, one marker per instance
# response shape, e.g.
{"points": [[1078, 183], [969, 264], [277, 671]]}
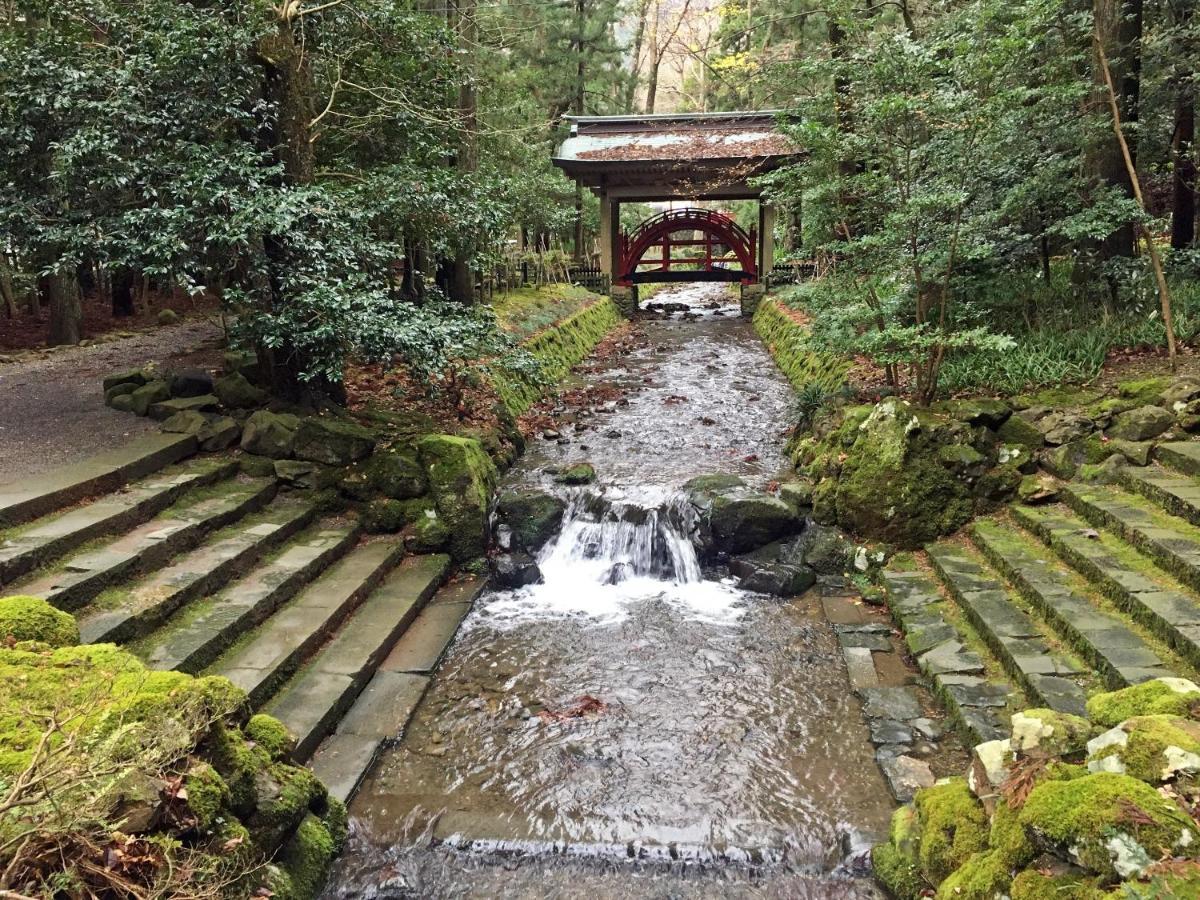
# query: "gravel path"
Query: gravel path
{"points": [[52, 408]]}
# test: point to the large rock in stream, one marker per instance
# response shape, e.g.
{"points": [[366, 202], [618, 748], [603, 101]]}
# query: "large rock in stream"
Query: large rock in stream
{"points": [[461, 478], [734, 518], [532, 517]]}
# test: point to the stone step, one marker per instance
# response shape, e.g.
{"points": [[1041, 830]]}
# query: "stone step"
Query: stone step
{"points": [[421, 647], [311, 704], [41, 495], [1158, 601], [1168, 540], [205, 629], [1184, 456], [270, 654], [79, 578], [25, 548], [1178, 494], [1105, 639], [979, 701], [125, 612], [1049, 677]]}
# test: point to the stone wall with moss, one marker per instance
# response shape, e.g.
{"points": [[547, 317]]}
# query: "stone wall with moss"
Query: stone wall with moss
{"points": [[559, 348], [118, 774], [788, 342]]}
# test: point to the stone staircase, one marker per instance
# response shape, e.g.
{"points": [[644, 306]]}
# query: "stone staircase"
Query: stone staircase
{"points": [[194, 566], [1045, 605]]}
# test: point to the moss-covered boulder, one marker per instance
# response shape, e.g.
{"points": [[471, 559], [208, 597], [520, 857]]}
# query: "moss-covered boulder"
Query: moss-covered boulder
{"points": [[235, 391], [1112, 825], [384, 516], [1047, 733], [577, 474], [195, 789], [134, 377], [270, 434], [332, 441], [953, 827], [886, 477], [1034, 885], [397, 474], [736, 519], [462, 478], [147, 395], [1167, 696], [24, 618], [1150, 748], [532, 517], [895, 862], [1141, 424]]}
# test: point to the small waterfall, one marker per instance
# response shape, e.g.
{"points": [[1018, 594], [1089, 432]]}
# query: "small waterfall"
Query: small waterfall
{"points": [[612, 541]]}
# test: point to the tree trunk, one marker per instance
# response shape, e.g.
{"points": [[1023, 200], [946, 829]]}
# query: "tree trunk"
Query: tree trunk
{"points": [[7, 291], [639, 35], [462, 279], [1118, 24], [61, 293], [122, 292], [1183, 147]]}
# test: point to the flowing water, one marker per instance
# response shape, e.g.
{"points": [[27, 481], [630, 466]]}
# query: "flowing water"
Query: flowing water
{"points": [[629, 727]]}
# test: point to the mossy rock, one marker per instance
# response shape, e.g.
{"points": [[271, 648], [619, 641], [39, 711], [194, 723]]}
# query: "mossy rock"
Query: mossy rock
{"points": [[396, 474], [1150, 748], [893, 485], [430, 533], [897, 872], [24, 618], [984, 876], [236, 392], [578, 474], [954, 826], [384, 516], [1018, 431], [533, 517], [303, 862], [332, 442], [134, 377], [1033, 885], [1166, 881], [1112, 825], [1167, 696], [270, 734], [462, 478], [1048, 733], [157, 391], [1143, 390], [207, 795], [270, 434]]}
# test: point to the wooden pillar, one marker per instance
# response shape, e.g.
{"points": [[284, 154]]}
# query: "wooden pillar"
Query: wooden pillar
{"points": [[607, 249], [614, 239], [766, 239]]}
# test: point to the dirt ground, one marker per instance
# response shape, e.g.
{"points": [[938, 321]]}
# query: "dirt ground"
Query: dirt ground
{"points": [[52, 408]]}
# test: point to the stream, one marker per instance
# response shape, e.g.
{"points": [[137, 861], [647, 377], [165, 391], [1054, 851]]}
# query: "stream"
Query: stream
{"points": [[635, 726]]}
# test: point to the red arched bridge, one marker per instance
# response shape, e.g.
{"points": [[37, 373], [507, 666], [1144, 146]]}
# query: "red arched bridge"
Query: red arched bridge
{"points": [[727, 251]]}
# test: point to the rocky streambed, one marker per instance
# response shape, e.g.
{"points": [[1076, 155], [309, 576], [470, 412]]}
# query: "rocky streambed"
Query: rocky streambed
{"points": [[643, 706]]}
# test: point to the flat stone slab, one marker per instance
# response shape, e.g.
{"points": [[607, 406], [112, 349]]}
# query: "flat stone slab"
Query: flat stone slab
{"points": [[25, 548], [311, 703], [210, 626], [85, 574], [906, 775], [421, 647], [1178, 493], [152, 599], [385, 706], [951, 656], [1181, 455], [32, 497], [844, 610], [276, 649], [891, 703], [860, 666], [342, 762]]}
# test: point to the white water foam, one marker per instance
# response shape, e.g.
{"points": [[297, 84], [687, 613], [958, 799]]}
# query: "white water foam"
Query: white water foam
{"points": [[613, 552]]}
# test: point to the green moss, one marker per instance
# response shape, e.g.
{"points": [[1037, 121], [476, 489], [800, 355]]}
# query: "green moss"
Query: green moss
{"points": [[304, 860], [1154, 746], [430, 532], [983, 876], [1178, 880], [207, 795], [25, 618], [270, 734], [953, 826], [896, 871], [462, 478], [1169, 696], [557, 350], [1033, 885], [285, 795], [1144, 390], [384, 516], [1047, 732], [1008, 840], [788, 341], [580, 473], [1106, 820], [239, 763]]}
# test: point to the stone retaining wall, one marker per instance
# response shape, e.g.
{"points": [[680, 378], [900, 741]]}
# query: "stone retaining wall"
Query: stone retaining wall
{"points": [[788, 342], [559, 348]]}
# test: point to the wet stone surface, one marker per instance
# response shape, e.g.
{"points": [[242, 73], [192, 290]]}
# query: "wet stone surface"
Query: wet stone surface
{"points": [[629, 727]]}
